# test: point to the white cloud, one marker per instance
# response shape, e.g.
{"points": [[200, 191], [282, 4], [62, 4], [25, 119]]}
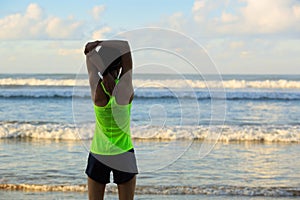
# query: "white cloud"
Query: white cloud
{"points": [[198, 5], [34, 24], [33, 11], [175, 21], [58, 28], [296, 11], [247, 17], [228, 18], [68, 52], [245, 54], [198, 10], [100, 34], [267, 16], [236, 44], [97, 11]]}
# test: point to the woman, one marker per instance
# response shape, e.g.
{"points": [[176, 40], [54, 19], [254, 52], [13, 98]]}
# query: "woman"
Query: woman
{"points": [[112, 94]]}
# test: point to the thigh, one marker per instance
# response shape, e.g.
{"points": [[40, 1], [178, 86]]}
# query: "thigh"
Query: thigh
{"points": [[126, 190], [95, 190]]}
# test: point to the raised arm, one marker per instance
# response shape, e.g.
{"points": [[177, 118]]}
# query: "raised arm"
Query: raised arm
{"points": [[108, 51], [124, 91], [99, 61]]}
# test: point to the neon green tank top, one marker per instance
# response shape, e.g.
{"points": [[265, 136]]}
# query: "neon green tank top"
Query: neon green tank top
{"points": [[112, 129]]}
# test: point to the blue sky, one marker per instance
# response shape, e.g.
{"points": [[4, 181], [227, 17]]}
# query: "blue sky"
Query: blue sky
{"points": [[241, 36]]}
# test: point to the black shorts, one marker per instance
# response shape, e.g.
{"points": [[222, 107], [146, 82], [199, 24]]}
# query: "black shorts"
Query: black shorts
{"points": [[100, 172]]}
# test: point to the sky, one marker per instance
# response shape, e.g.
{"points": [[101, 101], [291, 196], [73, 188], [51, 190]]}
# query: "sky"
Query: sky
{"points": [[240, 36]]}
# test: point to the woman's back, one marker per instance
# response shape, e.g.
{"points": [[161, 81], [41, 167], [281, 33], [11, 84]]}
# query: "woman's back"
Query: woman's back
{"points": [[112, 130]]}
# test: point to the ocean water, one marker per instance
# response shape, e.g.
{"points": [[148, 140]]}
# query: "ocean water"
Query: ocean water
{"points": [[194, 138]]}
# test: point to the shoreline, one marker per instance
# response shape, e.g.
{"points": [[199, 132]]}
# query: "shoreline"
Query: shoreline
{"points": [[146, 140], [214, 190], [81, 196]]}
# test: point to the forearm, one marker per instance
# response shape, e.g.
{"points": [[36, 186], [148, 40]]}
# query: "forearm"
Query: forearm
{"points": [[121, 45], [126, 62], [95, 59], [125, 87], [110, 50], [93, 78], [127, 72]]}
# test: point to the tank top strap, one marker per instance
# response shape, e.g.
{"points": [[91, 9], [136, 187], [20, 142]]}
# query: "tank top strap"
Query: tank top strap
{"points": [[104, 89]]}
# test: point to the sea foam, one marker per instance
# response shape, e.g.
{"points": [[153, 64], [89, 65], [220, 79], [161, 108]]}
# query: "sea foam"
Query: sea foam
{"points": [[168, 190], [157, 93], [167, 83], [226, 133]]}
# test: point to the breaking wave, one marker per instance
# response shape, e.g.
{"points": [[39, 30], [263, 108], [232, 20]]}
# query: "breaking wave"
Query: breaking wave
{"points": [[226, 133], [154, 93], [172, 83]]}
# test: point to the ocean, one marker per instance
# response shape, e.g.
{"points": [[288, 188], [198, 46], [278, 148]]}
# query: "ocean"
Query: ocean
{"points": [[194, 136]]}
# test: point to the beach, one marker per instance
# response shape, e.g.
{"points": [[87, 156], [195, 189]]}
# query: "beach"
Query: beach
{"points": [[230, 170], [190, 143]]}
